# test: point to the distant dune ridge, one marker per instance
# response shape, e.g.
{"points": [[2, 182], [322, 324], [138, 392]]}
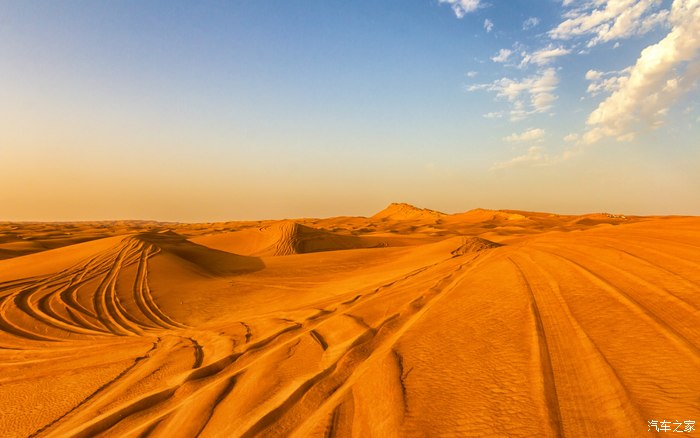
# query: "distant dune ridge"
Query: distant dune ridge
{"points": [[480, 215], [411, 322], [404, 212]]}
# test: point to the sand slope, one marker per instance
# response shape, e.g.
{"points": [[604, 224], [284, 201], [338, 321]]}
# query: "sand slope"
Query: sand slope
{"points": [[281, 238], [559, 326], [405, 212]]}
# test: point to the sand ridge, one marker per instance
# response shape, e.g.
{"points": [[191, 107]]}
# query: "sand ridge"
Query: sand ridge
{"points": [[282, 238], [410, 322]]}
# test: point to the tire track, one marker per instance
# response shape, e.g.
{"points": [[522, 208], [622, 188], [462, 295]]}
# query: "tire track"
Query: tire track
{"points": [[150, 308], [545, 360], [8, 327], [52, 301], [378, 346], [43, 314], [230, 384], [201, 379], [319, 338], [198, 353], [661, 292], [654, 250], [103, 300], [626, 299], [578, 401], [98, 390], [168, 400], [107, 269]]}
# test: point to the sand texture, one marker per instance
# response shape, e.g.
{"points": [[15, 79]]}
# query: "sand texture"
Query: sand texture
{"points": [[409, 323]]}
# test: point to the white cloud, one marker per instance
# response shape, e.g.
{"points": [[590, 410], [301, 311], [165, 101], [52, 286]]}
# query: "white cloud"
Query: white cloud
{"points": [[530, 23], [493, 115], [663, 72], [608, 20], [606, 82], [535, 156], [593, 75], [543, 56], [529, 95], [530, 135], [488, 25], [502, 56], [472, 74], [463, 7], [571, 138]]}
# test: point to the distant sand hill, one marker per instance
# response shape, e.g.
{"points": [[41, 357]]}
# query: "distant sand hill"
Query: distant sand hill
{"points": [[482, 215], [407, 212], [411, 322]]}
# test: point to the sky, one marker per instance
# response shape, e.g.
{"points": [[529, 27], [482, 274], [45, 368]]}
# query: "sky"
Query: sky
{"points": [[234, 110]]}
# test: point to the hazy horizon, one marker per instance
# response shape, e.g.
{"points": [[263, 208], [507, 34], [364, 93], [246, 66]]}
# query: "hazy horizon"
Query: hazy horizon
{"points": [[174, 111], [364, 215]]}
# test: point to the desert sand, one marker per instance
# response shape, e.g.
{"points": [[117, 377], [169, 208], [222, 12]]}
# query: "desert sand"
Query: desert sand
{"points": [[411, 322]]}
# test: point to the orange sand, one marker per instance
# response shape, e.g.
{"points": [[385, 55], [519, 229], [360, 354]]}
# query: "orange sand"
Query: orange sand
{"points": [[408, 323]]}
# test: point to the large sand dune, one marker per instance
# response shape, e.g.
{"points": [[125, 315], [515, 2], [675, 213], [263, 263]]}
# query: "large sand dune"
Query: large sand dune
{"points": [[408, 323]]}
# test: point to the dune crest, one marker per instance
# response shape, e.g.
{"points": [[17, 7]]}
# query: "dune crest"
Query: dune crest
{"points": [[281, 238], [403, 212]]}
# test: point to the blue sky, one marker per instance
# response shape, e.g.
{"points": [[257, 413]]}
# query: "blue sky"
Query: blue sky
{"points": [[245, 110]]}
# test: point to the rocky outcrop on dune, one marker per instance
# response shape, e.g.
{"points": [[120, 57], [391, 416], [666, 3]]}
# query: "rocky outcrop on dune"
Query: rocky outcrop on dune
{"points": [[402, 212], [474, 244]]}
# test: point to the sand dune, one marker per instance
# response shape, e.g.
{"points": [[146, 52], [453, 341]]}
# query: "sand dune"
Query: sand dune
{"points": [[483, 215], [405, 212], [281, 238], [484, 323]]}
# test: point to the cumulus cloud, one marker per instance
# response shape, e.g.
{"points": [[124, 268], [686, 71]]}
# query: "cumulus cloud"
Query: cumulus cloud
{"points": [[606, 82], [529, 95], [544, 56], [530, 23], [488, 25], [609, 20], [535, 156], [502, 55], [593, 75], [463, 7], [530, 135], [663, 72]]}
